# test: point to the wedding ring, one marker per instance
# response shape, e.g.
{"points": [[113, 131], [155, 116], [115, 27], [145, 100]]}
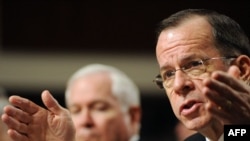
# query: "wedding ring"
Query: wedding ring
{"points": [[229, 104]]}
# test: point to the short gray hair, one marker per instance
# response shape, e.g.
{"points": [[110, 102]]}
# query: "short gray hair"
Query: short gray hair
{"points": [[123, 87]]}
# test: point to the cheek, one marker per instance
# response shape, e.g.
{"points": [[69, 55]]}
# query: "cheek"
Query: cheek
{"points": [[77, 121], [106, 119], [175, 104]]}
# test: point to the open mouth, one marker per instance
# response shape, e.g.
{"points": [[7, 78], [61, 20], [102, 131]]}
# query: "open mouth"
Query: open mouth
{"points": [[189, 107]]}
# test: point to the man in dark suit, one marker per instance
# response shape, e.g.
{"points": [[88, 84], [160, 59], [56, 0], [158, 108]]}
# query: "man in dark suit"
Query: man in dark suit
{"points": [[205, 70]]}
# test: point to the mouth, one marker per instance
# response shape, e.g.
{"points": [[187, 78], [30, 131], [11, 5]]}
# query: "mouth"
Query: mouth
{"points": [[189, 107], [86, 134]]}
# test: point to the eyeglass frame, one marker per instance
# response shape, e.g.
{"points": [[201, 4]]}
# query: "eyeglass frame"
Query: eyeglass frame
{"points": [[159, 81]]}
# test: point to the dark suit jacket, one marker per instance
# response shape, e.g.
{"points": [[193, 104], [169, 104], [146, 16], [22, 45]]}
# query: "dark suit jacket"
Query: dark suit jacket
{"points": [[196, 137]]}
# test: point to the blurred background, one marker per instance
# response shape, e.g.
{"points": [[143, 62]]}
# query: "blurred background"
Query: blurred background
{"points": [[44, 41]]}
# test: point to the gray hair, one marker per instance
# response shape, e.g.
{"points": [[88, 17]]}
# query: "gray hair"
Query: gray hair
{"points": [[122, 86]]}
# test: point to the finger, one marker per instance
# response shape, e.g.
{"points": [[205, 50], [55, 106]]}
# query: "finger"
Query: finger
{"points": [[223, 89], [24, 104], [225, 97], [17, 114], [230, 81], [14, 124], [214, 97], [224, 114], [16, 136], [228, 115], [51, 103], [221, 115]]}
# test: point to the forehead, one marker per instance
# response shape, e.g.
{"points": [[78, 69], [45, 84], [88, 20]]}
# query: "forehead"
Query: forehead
{"points": [[190, 38], [92, 86]]}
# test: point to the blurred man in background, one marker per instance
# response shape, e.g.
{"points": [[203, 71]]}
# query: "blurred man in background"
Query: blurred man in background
{"points": [[103, 103]]}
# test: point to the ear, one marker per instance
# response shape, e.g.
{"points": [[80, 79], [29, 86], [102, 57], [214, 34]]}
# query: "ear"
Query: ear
{"points": [[135, 118], [243, 63]]}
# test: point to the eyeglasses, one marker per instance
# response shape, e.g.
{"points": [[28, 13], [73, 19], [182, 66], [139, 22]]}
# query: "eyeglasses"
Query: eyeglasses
{"points": [[193, 69]]}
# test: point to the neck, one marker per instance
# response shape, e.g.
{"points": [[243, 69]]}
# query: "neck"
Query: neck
{"points": [[214, 131]]}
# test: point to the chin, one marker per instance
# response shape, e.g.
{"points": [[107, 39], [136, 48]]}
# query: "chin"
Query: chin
{"points": [[196, 123], [83, 138]]}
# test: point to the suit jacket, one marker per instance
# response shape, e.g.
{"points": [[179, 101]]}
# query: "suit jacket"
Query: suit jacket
{"points": [[196, 137]]}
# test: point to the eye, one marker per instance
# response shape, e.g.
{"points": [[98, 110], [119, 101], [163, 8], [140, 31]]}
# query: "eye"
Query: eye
{"points": [[101, 106], [74, 109], [193, 65], [169, 74]]}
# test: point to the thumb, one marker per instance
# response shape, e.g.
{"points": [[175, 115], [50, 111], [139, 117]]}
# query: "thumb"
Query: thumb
{"points": [[51, 103]]}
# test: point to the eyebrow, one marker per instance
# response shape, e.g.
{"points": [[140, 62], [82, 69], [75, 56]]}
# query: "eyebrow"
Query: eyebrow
{"points": [[186, 57]]}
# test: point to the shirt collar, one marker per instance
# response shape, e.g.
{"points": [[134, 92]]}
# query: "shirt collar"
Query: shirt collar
{"points": [[220, 139]]}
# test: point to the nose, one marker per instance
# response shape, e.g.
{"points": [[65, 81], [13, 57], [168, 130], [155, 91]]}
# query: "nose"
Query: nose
{"points": [[85, 119], [182, 83]]}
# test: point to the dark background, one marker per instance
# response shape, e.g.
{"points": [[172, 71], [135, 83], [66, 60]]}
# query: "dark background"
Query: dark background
{"points": [[119, 27]]}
